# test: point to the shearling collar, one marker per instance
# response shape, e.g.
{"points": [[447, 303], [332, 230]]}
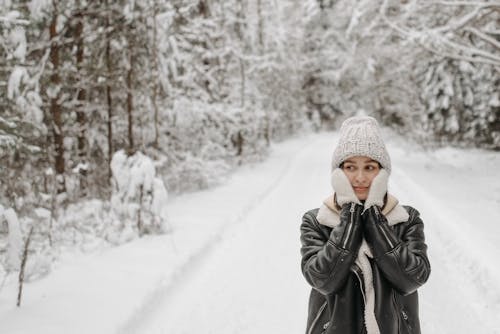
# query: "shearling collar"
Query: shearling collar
{"points": [[328, 213]]}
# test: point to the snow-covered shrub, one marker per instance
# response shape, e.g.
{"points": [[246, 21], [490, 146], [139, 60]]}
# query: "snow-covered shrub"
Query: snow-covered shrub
{"points": [[139, 197], [251, 128], [39, 256], [14, 244], [204, 141], [193, 173]]}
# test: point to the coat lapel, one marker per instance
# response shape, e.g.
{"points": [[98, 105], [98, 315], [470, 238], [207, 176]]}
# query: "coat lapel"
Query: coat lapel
{"points": [[328, 213]]}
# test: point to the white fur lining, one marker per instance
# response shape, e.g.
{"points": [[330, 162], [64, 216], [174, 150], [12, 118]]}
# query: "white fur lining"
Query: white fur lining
{"points": [[364, 263], [397, 215], [327, 217], [330, 218]]}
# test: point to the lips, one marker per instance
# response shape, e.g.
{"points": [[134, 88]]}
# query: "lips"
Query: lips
{"points": [[360, 189]]}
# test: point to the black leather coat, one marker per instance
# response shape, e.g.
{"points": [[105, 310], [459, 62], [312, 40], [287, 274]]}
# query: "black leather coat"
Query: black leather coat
{"points": [[399, 266]]}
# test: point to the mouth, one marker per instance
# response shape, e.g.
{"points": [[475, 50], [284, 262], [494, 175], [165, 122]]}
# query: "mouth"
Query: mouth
{"points": [[360, 189]]}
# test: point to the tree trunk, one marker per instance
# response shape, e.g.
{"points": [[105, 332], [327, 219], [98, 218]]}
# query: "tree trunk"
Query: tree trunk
{"points": [[80, 113], [55, 107], [140, 224], [204, 8], [260, 27], [239, 32], [155, 74], [109, 99], [242, 87], [130, 99]]}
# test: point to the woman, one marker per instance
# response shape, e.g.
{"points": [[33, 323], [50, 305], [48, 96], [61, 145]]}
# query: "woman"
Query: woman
{"points": [[363, 254]]}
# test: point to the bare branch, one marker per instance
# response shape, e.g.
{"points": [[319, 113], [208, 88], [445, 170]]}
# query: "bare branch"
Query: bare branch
{"points": [[23, 265]]}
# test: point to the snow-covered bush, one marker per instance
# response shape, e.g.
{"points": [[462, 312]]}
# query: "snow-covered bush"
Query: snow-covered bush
{"points": [[193, 173], [204, 141], [139, 197], [14, 240], [39, 256]]}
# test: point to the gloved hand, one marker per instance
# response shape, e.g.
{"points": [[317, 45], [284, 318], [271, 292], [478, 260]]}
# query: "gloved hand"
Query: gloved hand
{"points": [[378, 189], [344, 192], [348, 234], [377, 232]]}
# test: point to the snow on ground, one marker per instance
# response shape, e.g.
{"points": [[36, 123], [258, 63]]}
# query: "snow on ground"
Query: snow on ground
{"points": [[458, 194], [232, 264]]}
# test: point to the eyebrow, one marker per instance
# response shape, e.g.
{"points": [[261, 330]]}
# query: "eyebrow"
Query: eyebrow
{"points": [[365, 161]]}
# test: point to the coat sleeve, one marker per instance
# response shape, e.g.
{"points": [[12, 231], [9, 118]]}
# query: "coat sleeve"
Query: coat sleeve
{"points": [[325, 264], [403, 260]]}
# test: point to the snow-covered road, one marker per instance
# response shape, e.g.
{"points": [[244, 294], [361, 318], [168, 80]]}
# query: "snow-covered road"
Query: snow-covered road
{"points": [[233, 262], [251, 282]]}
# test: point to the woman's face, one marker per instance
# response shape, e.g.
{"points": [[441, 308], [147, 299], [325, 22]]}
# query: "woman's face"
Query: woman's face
{"points": [[361, 171]]}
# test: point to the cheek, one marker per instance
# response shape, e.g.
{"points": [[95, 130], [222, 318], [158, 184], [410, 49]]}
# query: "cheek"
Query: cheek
{"points": [[351, 177], [371, 177]]}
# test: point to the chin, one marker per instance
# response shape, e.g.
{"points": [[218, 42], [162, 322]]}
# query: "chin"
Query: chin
{"points": [[362, 197]]}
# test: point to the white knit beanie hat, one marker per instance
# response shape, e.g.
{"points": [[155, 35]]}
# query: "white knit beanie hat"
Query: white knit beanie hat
{"points": [[360, 136]]}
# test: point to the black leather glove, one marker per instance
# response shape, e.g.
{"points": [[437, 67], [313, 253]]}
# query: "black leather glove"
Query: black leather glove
{"points": [[348, 234], [404, 264], [377, 232]]}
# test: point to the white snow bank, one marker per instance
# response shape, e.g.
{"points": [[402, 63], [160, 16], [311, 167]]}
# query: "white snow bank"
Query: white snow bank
{"points": [[458, 198], [99, 293], [124, 289]]}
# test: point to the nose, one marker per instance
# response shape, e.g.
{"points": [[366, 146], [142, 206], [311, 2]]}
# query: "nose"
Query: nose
{"points": [[360, 177]]}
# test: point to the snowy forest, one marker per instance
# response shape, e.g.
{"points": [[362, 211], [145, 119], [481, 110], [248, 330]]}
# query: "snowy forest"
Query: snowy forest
{"points": [[111, 107]]}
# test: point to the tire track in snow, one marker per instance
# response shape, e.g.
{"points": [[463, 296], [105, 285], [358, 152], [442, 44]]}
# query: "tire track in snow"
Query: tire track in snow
{"points": [[460, 297], [463, 285], [174, 284]]}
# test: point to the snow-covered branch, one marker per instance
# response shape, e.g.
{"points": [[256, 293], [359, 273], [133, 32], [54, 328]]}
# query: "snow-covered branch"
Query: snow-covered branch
{"points": [[12, 19], [483, 36], [460, 22], [462, 3], [467, 49], [441, 36], [457, 56]]}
